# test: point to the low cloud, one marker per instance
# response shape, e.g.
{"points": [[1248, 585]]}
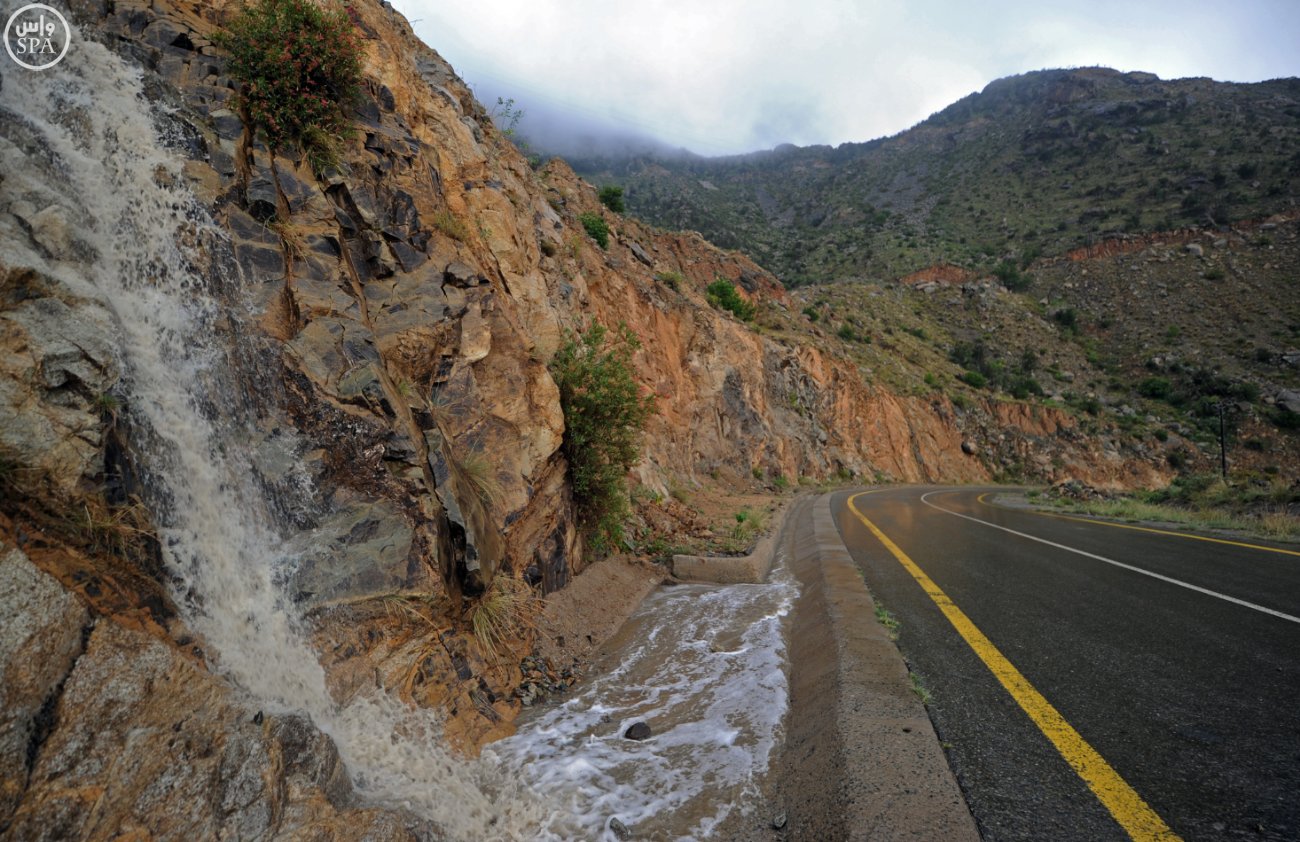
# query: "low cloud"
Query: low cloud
{"points": [[730, 76]]}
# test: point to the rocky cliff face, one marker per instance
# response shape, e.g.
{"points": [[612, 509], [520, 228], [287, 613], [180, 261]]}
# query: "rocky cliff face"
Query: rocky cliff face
{"points": [[386, 328]]}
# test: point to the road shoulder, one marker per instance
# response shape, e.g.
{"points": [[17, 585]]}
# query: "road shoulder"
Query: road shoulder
{"points": [[861, 760]]}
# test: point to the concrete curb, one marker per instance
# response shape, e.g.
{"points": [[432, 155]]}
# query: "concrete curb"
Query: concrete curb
{"points": [[734, 570], [861, 760]]}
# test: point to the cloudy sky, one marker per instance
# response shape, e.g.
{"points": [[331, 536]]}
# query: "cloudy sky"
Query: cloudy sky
{"points": [[724, 76]]}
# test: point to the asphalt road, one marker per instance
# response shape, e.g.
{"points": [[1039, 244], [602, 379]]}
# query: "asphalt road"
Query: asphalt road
{"points": [[1190, 700]]}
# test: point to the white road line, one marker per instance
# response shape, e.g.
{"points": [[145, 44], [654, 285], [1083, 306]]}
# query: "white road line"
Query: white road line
{"points": [[1121, 564]]}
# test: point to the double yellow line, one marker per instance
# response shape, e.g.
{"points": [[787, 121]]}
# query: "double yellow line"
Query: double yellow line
{"points": [[1133, 814]]}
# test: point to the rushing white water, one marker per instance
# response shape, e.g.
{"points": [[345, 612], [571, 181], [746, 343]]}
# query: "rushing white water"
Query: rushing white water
{"points": [[704, 666]]}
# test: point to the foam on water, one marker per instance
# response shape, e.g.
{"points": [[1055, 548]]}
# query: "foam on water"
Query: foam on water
{"points": [[704, 666]]}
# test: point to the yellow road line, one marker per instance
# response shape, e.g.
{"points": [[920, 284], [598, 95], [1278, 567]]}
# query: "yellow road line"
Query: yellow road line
{"points": [[1149, 529], [1133, 814]]}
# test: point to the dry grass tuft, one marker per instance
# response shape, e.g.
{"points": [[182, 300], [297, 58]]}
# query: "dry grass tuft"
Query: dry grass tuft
{"points": [[480, 474], [507, 610]]}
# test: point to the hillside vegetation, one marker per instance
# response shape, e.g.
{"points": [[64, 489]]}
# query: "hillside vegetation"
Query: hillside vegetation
{"points": [[1032, 165]]}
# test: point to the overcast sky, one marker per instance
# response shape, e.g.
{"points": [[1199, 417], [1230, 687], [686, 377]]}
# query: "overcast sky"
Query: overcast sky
{"points": [[724, 76]]}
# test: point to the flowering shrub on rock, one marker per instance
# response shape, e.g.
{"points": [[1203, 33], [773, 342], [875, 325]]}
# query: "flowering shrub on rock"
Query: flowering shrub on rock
{"points": [[299, 68]]}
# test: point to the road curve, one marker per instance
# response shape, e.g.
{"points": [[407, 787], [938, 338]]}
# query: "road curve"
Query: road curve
{"points": [[1175, 662]]}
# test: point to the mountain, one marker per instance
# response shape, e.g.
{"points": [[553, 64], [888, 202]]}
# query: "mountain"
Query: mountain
{"points": [[1036, 164], [1109, 241]]}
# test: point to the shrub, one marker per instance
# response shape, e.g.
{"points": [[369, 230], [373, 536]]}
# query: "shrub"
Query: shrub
{"points": [[596, 227], [1285, 419], [299, 67], [1158, 388], [1009, 274], [1023, 386], [812, 313], [974, 379], [1067, 318], [722, 294], [611, 196], [847, 333], [604, 413]]}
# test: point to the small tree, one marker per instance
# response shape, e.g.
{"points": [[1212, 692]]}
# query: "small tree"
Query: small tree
{"points": [[611, 196], [299, 68], [596, 228], [604, 414]]}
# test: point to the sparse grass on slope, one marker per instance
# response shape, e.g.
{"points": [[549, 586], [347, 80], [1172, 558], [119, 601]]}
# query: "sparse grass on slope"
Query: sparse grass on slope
{"points": [[1258, 508]]}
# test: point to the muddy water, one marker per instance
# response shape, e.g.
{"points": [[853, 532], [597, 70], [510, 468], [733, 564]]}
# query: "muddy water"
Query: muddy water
{"points": [[703, 666]]}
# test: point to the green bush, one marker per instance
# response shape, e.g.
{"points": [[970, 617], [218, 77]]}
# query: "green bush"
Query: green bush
{"points": [[722, 294], [1285, 419], [604, 414], [596, 227], [1157, 388], [611, 196], [974, 379], [299, 68], [1022, 386], [1009, 274], [1067, 318], [812, 313], [847, 333]]}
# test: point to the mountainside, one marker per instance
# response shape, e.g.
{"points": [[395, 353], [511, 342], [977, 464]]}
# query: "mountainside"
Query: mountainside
{"points": [[1111, 242], [1032, 165], [276, 442]]}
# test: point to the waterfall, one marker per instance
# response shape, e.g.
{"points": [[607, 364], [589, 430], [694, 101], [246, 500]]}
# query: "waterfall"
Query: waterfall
{"points": [[90, 146]]}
